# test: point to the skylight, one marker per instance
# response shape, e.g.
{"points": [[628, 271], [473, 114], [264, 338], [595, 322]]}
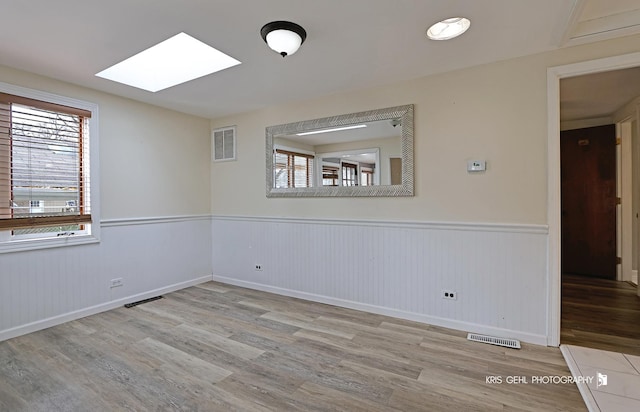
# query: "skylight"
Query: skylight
{"points": [[176, 60]]}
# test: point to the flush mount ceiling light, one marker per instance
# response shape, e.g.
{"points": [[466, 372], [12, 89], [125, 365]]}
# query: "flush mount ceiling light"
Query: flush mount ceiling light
{"points": [[283, 37], [449, 28], [174, 61]]}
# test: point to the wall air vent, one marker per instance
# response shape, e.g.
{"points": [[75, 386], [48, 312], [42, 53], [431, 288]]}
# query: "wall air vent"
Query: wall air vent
{"points": [[492, 340], [223, 144]]}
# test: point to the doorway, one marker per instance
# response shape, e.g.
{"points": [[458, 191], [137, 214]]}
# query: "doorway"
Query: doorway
{"points": [[554, 76]]}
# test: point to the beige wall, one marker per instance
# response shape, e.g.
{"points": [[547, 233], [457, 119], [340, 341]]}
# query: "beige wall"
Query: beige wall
{"points": [[153, 162], [495, 112]]}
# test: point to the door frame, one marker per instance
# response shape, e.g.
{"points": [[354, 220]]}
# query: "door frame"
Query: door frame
{"points": [[625, 191], [554, 75]]}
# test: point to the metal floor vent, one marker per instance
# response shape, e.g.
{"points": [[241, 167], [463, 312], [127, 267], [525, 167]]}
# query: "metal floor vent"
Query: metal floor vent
{"points": [[492, 340], [140, 302]]}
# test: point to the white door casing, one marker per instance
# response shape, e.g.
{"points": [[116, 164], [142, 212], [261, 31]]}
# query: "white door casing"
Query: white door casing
{"points": [[554, 75]]}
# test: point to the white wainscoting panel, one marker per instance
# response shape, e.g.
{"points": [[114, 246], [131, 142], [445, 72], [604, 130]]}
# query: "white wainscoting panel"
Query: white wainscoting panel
{"points": [[42, 288], [499, 271]]}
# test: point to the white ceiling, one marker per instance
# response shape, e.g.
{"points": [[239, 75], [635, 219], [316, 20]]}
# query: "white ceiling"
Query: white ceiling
{"points": [[351, 44], [599, 9], [598, 95]]}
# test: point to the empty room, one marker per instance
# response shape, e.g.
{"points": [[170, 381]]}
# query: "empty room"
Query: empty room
{"points": [[371, 205]]}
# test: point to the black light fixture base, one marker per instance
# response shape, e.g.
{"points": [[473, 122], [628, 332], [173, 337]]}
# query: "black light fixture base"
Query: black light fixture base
{"points": [[283, 25]]}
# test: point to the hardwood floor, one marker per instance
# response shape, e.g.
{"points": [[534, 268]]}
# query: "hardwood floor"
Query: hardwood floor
{"points": [[601, 314], [216, 347]]}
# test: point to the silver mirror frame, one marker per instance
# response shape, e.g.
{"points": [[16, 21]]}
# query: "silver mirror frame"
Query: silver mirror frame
{"points": [[404, 189]]}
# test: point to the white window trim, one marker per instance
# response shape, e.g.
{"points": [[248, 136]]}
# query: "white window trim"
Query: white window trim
{"points": [[19, 245]]}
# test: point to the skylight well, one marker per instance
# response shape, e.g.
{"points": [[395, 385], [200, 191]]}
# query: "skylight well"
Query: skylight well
{"points": [[176, 60]]}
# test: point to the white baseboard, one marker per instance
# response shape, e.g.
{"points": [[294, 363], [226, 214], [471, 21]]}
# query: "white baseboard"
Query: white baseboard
{"points": [[92, 310], [431, 320]]}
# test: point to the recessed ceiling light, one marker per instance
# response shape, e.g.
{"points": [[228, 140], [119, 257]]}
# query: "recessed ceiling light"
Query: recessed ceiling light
{"points": [[174, 61], [448, 28], [335, 129]]}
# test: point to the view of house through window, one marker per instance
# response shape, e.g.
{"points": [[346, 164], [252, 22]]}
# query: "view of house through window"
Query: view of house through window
{"points": [[44, 174]]}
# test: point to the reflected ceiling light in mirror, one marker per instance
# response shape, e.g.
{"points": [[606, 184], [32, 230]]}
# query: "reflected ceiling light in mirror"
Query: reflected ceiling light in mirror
{"points": [[335, 129], [283, 37], [449, 28]]}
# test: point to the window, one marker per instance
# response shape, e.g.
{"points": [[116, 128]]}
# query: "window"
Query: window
{"points": [[366, 177], [45, 185], [36, 206], [329, 176], [349, 174], [293, 169]]}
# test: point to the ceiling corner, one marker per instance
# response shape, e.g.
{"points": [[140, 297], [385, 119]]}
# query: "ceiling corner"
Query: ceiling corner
{"points": [[565, 31], [605, 19]]}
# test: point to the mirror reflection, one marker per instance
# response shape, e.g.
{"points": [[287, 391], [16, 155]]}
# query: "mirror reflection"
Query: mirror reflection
{"points": [[366, 154], [359, 154]]}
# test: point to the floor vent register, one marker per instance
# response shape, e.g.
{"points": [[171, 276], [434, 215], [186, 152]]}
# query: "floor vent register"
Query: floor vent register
{"points": [[492, 340]]}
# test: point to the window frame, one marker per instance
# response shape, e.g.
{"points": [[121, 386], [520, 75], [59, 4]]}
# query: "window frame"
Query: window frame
{"points": [[349, 174], [10, 244], [366, 177], [291, 168]]}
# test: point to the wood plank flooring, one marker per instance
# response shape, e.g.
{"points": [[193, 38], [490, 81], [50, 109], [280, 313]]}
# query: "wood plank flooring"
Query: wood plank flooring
{"points": [[601, 314], [216, 347]]}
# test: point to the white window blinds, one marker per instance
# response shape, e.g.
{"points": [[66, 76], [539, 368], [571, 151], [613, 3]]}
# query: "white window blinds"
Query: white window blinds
{"points": [[44, 151]]}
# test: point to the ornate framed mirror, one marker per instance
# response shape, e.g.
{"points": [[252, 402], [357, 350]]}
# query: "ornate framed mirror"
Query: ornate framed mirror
{"points": [[358, 154]]}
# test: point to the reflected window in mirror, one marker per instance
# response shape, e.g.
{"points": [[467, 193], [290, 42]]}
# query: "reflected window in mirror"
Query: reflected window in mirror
{"points": [[349, 174], [330, 175], [367, 176], [292, 169]]}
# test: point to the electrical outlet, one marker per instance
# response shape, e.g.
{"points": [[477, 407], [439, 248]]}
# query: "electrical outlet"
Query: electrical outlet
{"points": [[449, 294], [116, 282], [258, 267]]}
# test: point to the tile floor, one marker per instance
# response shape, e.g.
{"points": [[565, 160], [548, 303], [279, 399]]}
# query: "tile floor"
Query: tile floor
{"points": [[621, 390]]}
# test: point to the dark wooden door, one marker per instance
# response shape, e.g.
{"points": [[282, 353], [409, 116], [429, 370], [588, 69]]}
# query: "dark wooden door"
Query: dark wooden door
{"points": [[588, 176]]}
